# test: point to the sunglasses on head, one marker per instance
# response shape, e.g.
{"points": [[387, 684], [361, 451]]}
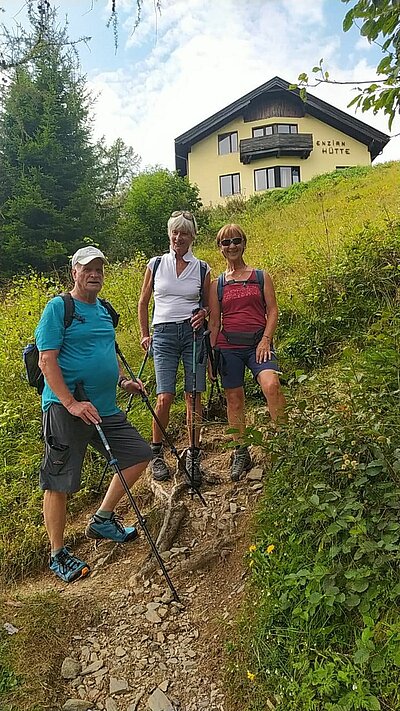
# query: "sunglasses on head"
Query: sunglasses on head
{"points": [[231, 240], [186, 215]]}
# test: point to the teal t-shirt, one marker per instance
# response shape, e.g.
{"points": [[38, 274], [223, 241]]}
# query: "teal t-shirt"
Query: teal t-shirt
{"points": [[87, 352]]}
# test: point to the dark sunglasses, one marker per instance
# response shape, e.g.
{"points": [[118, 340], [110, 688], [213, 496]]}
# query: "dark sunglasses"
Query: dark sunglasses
{"points": [[186, 215], [232, 240]]}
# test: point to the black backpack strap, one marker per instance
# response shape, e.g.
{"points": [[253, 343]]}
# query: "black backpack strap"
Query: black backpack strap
{"points": [[203, 274], [69, 308], [260, 281], [155, 267], [220, 286], [113, 313]]}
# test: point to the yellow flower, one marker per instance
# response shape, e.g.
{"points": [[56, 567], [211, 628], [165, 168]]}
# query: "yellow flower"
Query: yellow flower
{"points": [[251, 563], [250, 675], [270, 548], [252, 548]]}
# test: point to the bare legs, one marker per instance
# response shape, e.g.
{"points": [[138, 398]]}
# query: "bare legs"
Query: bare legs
{"points": [[269, 382], [162, 410], [55, 504]]}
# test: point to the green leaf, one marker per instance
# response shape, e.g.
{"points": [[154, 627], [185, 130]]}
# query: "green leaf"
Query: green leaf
{"points": [[361, 656], [377, 663], [352, 600], [348, 21], [314, 499], [359, 585]]}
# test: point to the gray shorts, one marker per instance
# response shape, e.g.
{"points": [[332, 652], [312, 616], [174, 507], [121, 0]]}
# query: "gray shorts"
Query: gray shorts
{"points": [[67, 438]]}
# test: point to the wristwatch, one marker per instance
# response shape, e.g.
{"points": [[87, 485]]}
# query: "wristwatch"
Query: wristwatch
{"points": [[121, 380]]}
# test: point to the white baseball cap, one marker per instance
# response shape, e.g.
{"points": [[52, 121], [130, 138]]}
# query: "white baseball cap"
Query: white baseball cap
{"points": [[86, 255]]}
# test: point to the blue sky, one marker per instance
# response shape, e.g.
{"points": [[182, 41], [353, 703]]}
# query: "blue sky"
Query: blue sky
{"points": [[197, 56]]}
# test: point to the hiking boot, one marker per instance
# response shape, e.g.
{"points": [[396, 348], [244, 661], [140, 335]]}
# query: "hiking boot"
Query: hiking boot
{"points": [[158, 466], [241, 463], [68, 567], [110, 529], [196, 468]]}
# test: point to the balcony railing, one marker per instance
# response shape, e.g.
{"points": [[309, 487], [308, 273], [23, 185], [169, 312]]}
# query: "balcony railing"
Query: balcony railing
{"points": [[276, 145]]}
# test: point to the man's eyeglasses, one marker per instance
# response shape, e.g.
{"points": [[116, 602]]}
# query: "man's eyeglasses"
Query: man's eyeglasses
{"points": [[232, 240]]}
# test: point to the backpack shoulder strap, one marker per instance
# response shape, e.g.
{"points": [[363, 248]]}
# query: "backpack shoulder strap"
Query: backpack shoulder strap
{"points": [[260, 281], [155, 267], [220, 286], [110, 308], [69, 308], [203, 274]]}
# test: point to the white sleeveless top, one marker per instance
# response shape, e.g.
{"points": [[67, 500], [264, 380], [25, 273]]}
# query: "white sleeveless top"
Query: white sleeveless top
{"points": [[175, 297]]}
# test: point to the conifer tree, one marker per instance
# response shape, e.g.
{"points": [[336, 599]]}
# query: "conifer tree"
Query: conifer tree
{"points": [[48, 184]]}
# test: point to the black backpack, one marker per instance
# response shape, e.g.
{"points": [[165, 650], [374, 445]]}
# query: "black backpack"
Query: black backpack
{"points": [[30, 353]]}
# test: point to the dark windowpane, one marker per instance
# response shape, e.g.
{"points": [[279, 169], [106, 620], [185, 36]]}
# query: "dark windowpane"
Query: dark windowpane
{"points": [[268, 130], [283, 128], [234, 142], [293, 128], [236, 183]]}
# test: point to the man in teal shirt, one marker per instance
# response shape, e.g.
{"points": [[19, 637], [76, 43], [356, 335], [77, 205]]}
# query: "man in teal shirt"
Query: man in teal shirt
{"points": [[83, 353]]}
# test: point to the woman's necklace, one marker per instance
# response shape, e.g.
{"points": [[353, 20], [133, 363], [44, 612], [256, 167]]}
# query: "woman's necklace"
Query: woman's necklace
{"points": [[240, 273]]}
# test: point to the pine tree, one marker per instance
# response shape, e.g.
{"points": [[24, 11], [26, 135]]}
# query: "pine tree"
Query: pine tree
{"points": [[48, 184]]}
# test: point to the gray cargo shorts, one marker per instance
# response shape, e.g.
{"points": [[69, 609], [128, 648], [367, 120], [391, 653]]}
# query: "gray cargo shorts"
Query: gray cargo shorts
{"points": [[67, 437]]}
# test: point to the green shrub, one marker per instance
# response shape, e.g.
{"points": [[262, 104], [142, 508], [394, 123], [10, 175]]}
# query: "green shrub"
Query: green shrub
{"points": [[321, 630]]}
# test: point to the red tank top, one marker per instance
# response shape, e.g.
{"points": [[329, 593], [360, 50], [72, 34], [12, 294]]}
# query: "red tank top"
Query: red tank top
{"points": [[242, 309]]}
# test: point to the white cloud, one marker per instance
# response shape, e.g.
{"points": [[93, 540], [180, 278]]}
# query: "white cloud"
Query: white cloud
{"points": [[200, 55]]}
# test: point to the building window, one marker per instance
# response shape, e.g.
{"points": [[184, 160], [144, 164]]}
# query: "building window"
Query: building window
{"points": [[227, 143], [275, 128], [344, 167], [277, 177], [229, 184]]}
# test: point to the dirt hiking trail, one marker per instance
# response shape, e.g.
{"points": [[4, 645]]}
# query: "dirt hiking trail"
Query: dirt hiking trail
{"points": [[136, 649]]}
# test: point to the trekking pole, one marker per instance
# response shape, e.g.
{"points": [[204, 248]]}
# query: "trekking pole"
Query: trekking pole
{"points": [[113, 462], [139, 375], [127, 409], [168, 439], [194, 395]]}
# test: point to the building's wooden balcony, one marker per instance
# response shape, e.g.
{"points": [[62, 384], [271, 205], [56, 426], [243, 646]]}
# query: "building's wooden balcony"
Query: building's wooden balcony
{"points": [[276, 145]]}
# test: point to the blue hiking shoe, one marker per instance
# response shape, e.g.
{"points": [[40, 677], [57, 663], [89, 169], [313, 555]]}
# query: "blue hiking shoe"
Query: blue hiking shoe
{"points": [[111, 529], [68, 567]]}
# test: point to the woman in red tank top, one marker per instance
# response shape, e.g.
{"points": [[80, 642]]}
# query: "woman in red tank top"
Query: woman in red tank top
{"points": [[243, 319]]}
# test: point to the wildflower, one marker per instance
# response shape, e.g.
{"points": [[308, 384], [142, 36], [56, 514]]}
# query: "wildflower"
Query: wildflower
{"points": [[250, 675], [252, 548], [251, 563]]}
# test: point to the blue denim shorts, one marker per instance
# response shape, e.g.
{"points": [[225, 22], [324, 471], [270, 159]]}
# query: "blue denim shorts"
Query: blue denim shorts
{"points": [[232, 363], [171, 343]]}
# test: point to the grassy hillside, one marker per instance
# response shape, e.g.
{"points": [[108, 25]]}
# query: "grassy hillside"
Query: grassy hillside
{"points": [[321, 627], [291, 232]]}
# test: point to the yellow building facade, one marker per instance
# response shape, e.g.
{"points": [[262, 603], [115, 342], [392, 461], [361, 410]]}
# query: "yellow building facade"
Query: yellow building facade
{"points": [[271, 138]]}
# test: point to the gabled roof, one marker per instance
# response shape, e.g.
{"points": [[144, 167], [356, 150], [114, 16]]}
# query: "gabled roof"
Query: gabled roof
{"points": [[362, 132]]}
